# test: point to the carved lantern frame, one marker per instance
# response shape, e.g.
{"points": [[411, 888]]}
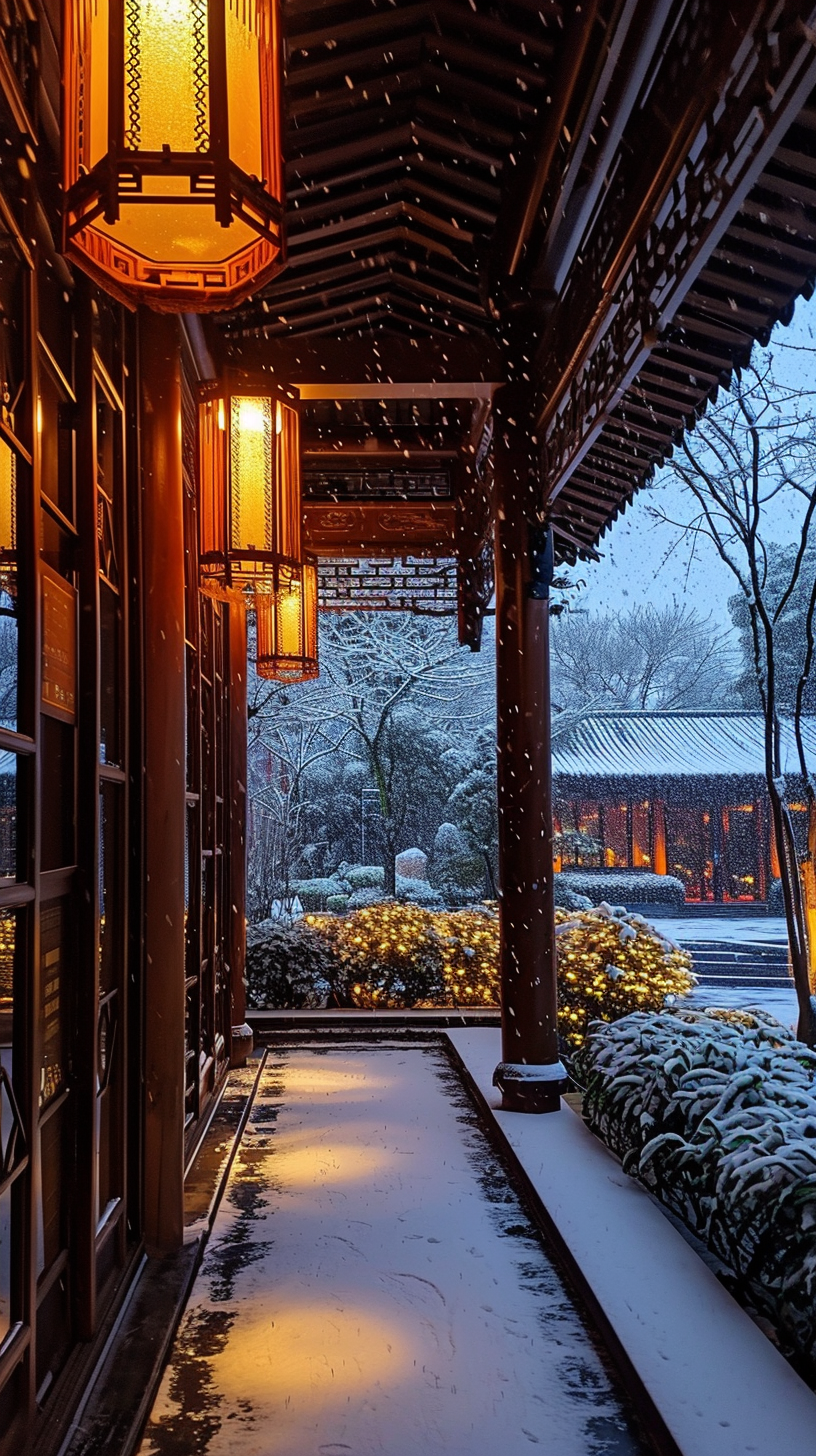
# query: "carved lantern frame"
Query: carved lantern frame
{"points": [[172, 164]]}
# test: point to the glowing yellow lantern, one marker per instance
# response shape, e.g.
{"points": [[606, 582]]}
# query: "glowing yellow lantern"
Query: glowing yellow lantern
{"points": [[286, 623], [172, 155], [8, 520], [249, 486], [250, 521]]}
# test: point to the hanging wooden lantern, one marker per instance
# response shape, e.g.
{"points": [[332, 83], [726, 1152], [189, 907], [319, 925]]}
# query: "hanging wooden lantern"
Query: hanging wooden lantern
{"points": [[8, 520], [172, 157], [286, 623], [249, 486]]}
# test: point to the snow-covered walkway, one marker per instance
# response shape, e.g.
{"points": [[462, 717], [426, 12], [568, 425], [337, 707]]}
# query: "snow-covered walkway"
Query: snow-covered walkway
{"points": [[373, 1285]]}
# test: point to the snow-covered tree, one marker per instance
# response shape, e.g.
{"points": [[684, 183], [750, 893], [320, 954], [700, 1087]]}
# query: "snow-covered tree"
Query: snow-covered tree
{"points": [[659, 657], [395, 693], [750, 467], [790, 627]]}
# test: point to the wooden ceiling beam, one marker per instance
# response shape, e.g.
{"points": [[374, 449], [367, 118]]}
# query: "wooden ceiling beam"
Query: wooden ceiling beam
{"points": [[316, 258], [377, 358], [431, 112], [365, 221], [319, 454], [519, 73], [311, 164], [472, 389], [338, 63], [346, 34]]}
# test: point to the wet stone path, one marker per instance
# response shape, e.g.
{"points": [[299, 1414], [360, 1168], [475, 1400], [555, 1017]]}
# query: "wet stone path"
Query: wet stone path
{"points": [[373, 1285]]}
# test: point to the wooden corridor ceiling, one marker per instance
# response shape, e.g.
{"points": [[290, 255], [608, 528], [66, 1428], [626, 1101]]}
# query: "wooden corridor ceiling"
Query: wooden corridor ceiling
{"points": [[627, 187]]}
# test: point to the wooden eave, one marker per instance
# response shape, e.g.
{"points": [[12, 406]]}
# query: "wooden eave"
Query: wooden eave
{"points": [[414, 139]]}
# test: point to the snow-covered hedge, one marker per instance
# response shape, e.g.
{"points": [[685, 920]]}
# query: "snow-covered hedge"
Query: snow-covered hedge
{"points": [[362, 877], [337, 904], [635, 887], [418, 892], [409, 892], [290, 965], [716, 1114], [568, 899], [395, 955], [314, 893], [382, 952]]}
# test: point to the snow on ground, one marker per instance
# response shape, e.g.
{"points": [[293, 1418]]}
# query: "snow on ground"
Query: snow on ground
{"points": [[745, 930], [769, 930], [373, 1285], [780, 1001]]}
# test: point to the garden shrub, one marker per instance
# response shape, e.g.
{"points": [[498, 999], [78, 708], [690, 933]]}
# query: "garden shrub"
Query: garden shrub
{"points": [[400, 955], [290, 965], [453, 863], [635, 887], [358, 899], [337, 904], [610, 964], [362, 877], [567, 898], [314, 893], [418, 892], [718, 1119]]}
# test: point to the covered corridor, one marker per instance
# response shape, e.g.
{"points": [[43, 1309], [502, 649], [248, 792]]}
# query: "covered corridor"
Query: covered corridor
{"points": [[470, 270], [373, 1284]]}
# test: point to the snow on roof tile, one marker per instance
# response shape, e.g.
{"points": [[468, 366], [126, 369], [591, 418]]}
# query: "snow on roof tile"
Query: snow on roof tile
{"points": [[674, 745]]}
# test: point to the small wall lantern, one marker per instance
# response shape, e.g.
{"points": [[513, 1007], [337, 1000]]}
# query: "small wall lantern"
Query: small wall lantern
{"points": [[8, 520], [172, 156], [250, 521], [286, 623], [249, 485]]}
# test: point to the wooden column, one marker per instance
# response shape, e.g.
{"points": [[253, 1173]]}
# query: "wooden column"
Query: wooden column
{"points": [[237, 791], [530, 1075], [164, 781]]}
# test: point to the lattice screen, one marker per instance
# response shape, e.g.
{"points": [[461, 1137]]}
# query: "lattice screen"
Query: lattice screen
{"points": [[388, 584]]}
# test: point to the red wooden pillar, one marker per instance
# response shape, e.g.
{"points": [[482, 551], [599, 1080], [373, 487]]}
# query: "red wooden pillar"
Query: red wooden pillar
{"points": [[164, 781], [237, 792], [530, 1075]]}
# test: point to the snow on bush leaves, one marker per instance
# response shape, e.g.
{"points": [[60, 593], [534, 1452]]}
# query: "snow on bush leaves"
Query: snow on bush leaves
{"points": [[718, 1119], [638, 887]]}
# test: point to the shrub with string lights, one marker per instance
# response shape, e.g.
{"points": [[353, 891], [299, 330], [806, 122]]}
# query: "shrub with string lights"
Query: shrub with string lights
{"points": [[396, 955], [609, 963]]}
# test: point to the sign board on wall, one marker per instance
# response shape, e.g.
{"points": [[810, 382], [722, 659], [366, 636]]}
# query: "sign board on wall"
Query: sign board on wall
{"points": [[59, 630]]}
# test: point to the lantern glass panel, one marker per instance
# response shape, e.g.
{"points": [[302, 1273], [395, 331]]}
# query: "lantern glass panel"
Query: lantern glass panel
{"points": [[173, 230], [96, 65], [243, 23], [8, 501], [212, 498], [288, 503], [310, 611], [166, 75], [286, 621], [289, 612], [252, 461]]}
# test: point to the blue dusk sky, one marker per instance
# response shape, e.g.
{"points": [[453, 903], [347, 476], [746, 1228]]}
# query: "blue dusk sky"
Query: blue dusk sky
{"points": [[643, 561]]}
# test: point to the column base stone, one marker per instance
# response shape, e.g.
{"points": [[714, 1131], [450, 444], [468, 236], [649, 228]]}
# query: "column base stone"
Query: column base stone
{"points": [[243, 1042], [527, 1088]]}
